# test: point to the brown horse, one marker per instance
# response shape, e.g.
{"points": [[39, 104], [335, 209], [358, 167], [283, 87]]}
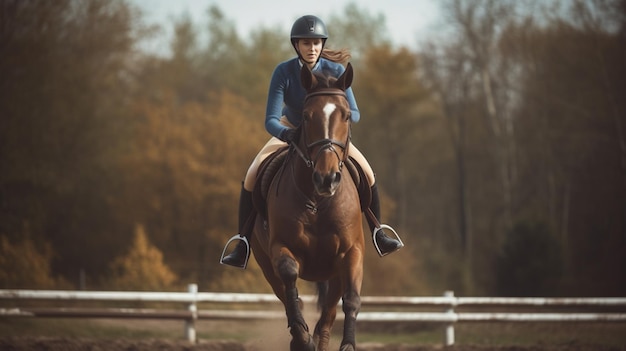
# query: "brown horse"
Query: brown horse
{"points": [[313, 228]]}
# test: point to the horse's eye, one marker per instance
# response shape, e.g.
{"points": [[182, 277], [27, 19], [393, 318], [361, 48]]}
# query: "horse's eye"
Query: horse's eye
{"points": [[307, 115], [349, 115]]}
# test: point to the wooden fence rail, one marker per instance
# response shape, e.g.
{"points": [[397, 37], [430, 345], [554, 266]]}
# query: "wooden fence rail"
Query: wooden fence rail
{"points": [[448, 303]]}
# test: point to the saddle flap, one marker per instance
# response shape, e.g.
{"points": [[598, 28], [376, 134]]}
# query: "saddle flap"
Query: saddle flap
{"points": [[361, 182], [266, 173]]}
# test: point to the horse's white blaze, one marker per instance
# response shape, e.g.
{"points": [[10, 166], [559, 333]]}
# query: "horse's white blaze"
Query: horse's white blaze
{"points": [[328, 110]]}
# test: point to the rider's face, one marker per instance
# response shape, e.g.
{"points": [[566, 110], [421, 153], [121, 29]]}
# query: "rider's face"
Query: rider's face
{"points": [[310, 50]]}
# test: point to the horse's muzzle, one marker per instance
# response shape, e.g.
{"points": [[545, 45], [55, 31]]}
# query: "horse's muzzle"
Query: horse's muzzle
{"points": [[326, 185]]}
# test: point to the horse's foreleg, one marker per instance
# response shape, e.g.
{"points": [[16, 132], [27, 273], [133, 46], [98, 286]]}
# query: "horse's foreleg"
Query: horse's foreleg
{"points": [[287, 270], [351, 307], [328, 308], [352, 300]]}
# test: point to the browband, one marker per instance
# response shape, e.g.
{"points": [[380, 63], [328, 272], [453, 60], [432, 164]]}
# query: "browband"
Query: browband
{"points": [[325, 92]]}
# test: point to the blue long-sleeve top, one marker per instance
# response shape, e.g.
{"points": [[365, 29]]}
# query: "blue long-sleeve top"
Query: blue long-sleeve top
{"points": [[286, 94]]}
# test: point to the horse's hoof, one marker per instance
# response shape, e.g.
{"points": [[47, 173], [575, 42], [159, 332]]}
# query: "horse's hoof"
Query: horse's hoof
{"points": [[309, 346], [347, 347]]}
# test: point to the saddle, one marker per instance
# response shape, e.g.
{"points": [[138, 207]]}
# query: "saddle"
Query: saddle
{"points": [[363, 186], [273, 164], [267, 171]]}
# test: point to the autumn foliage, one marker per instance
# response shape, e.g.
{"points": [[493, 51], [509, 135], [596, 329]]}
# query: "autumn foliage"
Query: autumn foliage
{"points": [[142, 267], [504, 132]]}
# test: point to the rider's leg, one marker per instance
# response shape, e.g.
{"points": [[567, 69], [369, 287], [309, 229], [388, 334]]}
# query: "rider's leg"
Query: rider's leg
{"points": [[239, 256], [385, 244]]}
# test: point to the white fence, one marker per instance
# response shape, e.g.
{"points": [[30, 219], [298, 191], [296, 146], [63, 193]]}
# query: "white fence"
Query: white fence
{"points": [[448, 303]]}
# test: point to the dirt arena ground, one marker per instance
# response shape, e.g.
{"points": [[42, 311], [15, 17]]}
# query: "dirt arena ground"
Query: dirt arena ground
{"points": [[140, 335], [78, 344], [271, 334]]}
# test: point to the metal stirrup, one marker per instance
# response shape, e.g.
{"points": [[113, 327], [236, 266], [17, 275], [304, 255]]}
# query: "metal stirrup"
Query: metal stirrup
{"points": [[376, 230], [237, 237]]}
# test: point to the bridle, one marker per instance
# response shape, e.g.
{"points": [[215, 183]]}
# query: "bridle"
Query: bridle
{"points": [[325, 143]]}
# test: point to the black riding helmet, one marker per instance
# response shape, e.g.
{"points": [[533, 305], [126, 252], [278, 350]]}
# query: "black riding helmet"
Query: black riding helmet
{"points": [[308, 27]]}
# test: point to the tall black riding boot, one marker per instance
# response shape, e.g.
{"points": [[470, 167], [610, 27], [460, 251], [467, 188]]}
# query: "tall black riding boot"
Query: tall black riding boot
{"points": [[384, 244], [241, 253]]}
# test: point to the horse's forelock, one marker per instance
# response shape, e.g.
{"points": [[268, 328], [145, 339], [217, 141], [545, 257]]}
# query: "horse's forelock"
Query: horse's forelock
{"points": [[324, 80]]}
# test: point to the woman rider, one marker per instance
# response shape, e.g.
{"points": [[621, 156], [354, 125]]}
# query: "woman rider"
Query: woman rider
{"points": [[284, 112]]}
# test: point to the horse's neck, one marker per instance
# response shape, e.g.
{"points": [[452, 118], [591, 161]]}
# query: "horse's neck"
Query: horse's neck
{"points": [[302, 175]]}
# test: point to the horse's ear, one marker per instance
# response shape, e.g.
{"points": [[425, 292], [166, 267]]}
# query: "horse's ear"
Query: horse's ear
{"points": [[308, 79], [345, 80]]}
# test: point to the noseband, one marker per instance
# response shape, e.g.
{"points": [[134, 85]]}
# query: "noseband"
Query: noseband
{"points": [[324, 143]]}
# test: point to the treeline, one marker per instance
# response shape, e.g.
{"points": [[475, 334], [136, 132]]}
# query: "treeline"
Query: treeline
{"points": [[500, 147]]}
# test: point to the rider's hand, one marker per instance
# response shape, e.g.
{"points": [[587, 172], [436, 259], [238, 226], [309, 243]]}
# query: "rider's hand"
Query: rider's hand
{"points": [[288, 135]]}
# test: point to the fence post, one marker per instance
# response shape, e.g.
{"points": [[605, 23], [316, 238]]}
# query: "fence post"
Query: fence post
{"points": [[450, 327], [190, 324]]}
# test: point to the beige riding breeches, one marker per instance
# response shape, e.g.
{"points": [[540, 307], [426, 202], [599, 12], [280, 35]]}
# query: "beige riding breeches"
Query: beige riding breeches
{"points": [[274, 144]]}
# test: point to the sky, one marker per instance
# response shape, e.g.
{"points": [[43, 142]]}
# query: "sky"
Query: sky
{"points": [[407, 21]]}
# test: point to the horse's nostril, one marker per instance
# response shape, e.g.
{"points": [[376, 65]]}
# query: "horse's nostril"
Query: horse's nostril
{"points": [[332, 179], [337, 177], [326, 183], [317, 178]]}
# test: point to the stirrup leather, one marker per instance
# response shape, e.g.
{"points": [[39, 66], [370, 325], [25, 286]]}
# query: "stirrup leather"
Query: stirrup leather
{"points": [[237, 237], [381, 227]]}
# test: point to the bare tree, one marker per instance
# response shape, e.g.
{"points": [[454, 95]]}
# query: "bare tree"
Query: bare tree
{"points": [[479, 24], [471, 82]]}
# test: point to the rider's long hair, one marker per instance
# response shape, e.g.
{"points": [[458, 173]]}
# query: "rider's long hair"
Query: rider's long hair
{"points": [[339, 56]]}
